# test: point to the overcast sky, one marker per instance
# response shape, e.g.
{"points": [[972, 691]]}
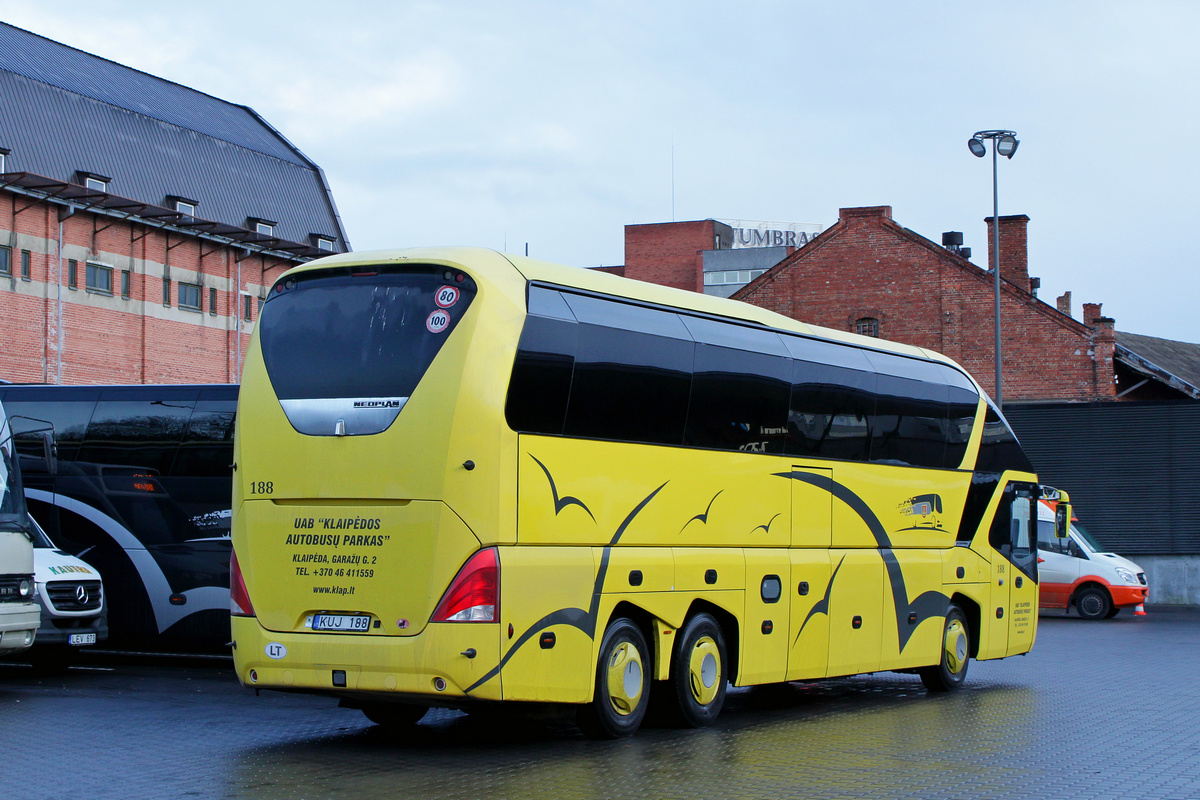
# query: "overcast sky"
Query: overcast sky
{"points": [[557, 123]]}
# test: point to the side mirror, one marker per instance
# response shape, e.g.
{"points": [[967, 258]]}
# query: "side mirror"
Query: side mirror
{"points": [[1062, 520], [50, 452]]}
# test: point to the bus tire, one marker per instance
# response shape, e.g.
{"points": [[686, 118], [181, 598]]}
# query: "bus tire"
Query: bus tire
{"points": [[622, 689], [698, 671], [951, 671], [394, 716], [1092, 602]]}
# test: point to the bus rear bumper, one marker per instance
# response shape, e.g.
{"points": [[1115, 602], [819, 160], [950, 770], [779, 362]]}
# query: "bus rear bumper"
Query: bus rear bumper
{"points": [[434, 666]]}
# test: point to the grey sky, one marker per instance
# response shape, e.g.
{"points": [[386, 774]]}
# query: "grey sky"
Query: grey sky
{"points": [[553, 123]]}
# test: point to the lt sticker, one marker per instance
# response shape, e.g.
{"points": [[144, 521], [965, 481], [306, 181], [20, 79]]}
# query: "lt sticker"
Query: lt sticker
{"points": [[438, 321], [447, 296], [276, 650]]}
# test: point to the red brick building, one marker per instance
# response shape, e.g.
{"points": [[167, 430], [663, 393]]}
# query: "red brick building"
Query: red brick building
{"points": [[141, 222], [868, 274]]}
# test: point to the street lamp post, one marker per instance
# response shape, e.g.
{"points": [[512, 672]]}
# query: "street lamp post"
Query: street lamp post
{"points": [[1003, 143]]}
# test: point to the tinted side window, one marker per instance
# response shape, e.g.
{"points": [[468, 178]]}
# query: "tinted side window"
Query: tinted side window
{"points": [[739, 400], [999, 449], [135, 432], [68, 409], [207, 449], [629, 386], [963, 405], [909, 424], [829, 411], [541, 377]]}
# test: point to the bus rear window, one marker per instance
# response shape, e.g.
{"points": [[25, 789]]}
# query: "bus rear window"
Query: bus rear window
{"points": [[364, 335]]}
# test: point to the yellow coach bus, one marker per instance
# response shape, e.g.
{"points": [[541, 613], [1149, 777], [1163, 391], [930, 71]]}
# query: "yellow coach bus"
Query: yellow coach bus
{"points": [[463, 477]]}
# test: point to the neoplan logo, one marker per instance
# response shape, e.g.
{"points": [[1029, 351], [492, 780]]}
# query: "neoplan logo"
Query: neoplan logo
{"points": [[376, 403]]}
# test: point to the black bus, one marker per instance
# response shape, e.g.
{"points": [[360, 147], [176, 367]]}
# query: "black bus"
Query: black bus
{"points": [[140, 490]]}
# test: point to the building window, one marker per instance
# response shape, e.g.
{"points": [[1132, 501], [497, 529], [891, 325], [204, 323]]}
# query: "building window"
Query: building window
{"points": [[325, 244], [185, 206], [166, 291], [96, 184], [72, 274], [5, 261], [212, 302], [4, 159], [265, 227], [867, 326], [26, 267], [189, 296], [99, 279], [126, 280], [735, 277], [248, 307]]}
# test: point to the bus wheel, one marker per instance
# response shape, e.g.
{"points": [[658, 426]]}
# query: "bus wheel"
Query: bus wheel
{"points": [[622, 692], [394, 716], [698, 671], [1092, 602], [956, 655]]}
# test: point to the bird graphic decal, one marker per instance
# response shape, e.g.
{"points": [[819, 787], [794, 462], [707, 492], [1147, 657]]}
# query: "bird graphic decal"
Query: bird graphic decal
{"points": [[767, 528], [561, 502], [702, 517]]}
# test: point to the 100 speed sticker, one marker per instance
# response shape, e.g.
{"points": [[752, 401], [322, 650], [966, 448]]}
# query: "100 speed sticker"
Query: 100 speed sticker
{"points": [[437, 321]]}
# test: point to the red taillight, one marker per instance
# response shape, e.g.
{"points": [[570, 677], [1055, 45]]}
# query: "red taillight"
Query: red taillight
{"points": [[239, 598], [474, 594]]}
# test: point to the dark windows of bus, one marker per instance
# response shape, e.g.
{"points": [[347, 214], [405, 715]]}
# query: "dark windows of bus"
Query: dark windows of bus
{"points": [[629, 386], [541, 378], [333, 334], [739, 400], [208, 441], [999, 449], [867, 326], [128, 430], [830, 410]]}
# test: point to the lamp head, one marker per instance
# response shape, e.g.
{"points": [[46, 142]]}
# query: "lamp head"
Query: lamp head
{"points": [[1007, 146], [977, 148]]}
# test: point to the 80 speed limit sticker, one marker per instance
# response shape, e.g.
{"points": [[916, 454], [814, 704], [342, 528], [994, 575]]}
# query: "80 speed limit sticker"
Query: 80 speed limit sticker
{"points": [[438, 321], [446, 296]]}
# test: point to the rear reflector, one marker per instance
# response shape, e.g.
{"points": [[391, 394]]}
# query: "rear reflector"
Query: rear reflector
{"points": [[474, 594], [239, 598]]}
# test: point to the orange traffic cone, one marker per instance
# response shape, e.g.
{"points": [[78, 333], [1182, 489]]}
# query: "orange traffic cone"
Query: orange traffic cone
{"points": [[1140, 611]]}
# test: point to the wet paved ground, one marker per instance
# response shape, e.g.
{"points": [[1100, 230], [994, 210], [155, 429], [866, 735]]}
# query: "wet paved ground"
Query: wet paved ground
{"points": [[1098, 710]]}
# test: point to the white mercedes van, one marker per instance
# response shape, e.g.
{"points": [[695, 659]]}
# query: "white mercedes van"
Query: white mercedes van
{"points": [[73, 607], [19, 613], [1078, 573]]}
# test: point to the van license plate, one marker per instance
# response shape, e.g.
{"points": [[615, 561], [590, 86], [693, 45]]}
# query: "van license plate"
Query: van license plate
{"points": [[81, 638], [341, 622]]}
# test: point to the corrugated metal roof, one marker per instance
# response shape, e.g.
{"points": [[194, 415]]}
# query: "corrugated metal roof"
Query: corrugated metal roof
{"points": [[64, 111], [1179, 359]]}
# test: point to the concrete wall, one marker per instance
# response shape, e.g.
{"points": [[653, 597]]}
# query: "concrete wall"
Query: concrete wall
{"points": [[1173, 580]]}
